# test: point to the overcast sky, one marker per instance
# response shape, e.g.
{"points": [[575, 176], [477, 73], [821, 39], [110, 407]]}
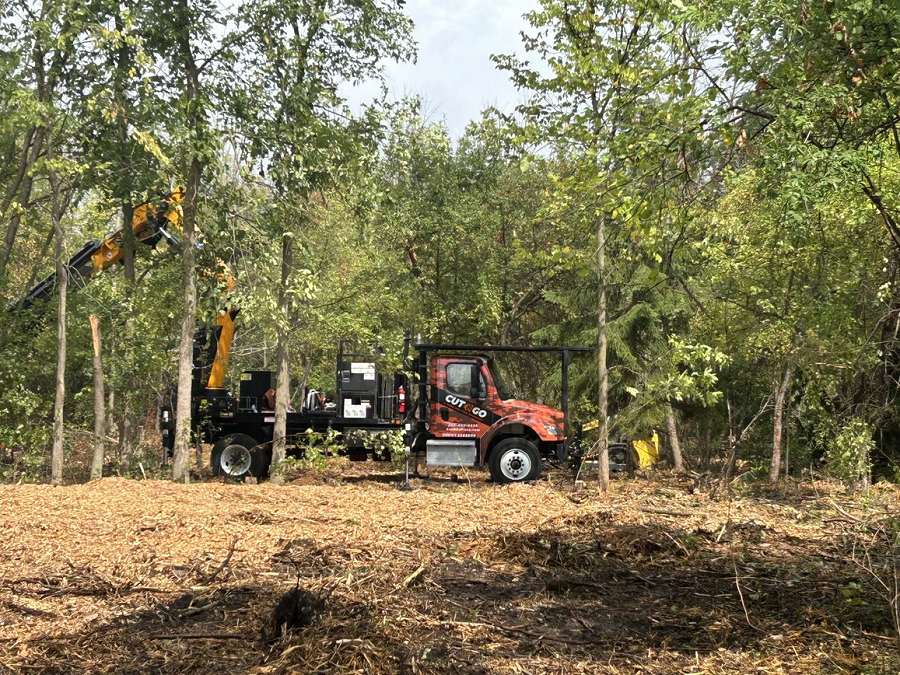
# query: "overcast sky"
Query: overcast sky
{"points": [[454, 73]]}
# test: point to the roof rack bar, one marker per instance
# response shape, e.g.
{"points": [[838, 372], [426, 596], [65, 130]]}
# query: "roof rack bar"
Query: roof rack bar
{"points": [[498, 348]]}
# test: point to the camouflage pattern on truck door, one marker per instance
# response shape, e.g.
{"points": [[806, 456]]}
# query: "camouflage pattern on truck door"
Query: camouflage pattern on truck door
{"points": [[453, 411]]}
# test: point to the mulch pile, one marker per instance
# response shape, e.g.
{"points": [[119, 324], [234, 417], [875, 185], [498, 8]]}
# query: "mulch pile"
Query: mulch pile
{"points": [[349, 574]]}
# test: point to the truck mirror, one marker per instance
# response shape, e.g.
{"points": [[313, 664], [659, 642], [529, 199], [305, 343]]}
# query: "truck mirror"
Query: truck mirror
{"points": [[475, 384]]}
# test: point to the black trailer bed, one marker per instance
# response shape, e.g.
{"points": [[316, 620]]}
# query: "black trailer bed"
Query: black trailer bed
{"points": [[259, 424]]}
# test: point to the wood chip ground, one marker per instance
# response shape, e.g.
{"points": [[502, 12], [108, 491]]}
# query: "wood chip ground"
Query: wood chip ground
{"points": [[119, 576]]}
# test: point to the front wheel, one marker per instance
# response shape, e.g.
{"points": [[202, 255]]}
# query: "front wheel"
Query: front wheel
{"points": [[515, 460], [240, 456]]}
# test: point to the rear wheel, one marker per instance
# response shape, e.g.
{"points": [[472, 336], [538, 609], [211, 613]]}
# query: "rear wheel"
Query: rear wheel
{"points": [[515, 460], [618, 454], [621, 457], [240, 456]]}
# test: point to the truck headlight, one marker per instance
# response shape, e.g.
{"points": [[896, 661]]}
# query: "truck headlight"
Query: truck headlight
{"points": [[553, 429]]}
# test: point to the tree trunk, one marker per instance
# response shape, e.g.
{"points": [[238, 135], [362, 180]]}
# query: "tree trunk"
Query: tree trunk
{"points": [[602, 369], [706, 456], [674, 445], [127, 427], [182, 449], [780, 393], [865, 469], [132, 400], [283, 385], [110, 408], [732, 444], [24, 181], [195, 121], [99, 402], [62, 276], [129, 401], [787, 447]]}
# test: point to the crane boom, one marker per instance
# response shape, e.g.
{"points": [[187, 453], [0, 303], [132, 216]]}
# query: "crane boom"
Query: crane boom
{"points": [[152, 222]]}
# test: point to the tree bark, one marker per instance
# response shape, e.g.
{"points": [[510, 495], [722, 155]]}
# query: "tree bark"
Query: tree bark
{"points": [[111, 407], [865, 470], [99, 402], [24, 181], [707, 451], [132, 398], [780, 393], [182, 449], [182, 446], [126, 440], [602, 368], [283, 385], [128, 403], [62, 277], [732, 444], [672, 432]]}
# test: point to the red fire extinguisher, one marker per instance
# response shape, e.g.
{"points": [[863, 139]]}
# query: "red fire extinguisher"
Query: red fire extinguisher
{"points": [[401, 397]]}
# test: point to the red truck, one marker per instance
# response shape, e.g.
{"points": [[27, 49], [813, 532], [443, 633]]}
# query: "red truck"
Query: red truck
{"points": [[462, 415], [466, 416]]}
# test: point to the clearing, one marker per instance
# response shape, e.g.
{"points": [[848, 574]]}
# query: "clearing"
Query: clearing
{"points": [[139, 576]]}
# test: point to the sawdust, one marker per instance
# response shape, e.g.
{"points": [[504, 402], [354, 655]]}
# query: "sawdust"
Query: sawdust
{"points": [[456, 576]]}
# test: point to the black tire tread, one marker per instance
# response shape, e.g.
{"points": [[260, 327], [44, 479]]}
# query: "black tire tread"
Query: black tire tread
{"points": [[260, 455], [514, 442]]}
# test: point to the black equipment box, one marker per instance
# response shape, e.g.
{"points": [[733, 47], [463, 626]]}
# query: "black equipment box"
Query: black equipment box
{"points": [[254, 385]]}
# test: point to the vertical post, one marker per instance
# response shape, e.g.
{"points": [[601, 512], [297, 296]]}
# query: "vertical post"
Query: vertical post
{"points": [[340, 363], [423, 386], [406, 487], [565, 400]]}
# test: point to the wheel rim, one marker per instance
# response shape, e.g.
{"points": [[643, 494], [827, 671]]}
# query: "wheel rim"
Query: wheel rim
{"points": [[515, 464], [235, 460]]}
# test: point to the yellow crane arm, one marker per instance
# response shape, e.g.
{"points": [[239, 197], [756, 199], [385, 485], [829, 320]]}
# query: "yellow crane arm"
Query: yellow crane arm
{"points": [[149, 223], [225, 332]]}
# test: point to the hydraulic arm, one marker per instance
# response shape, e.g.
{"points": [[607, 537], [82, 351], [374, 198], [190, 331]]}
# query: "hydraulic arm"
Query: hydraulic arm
{"points": [[151, 223]]}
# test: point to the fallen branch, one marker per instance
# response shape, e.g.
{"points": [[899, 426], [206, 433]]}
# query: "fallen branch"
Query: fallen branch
{"points": [[665, 512], [197, 610], [224, 564], [678, 544], [725, 524], [200, 636], [844, 513], [737, 582], [415, 575], [520, 631], [16, 607]]}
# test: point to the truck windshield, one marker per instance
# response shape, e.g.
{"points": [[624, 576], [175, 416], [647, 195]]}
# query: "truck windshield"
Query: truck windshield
{"points": [[502, 389]]}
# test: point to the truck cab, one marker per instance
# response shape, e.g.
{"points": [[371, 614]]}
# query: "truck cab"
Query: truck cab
{"points": [[473, 419]]}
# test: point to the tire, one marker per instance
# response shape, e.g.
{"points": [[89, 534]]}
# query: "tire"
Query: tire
{"points": [[515, 460], [618, 454], [239, 456]]}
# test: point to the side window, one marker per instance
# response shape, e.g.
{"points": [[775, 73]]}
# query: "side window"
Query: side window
{"points": [[459, 380]]}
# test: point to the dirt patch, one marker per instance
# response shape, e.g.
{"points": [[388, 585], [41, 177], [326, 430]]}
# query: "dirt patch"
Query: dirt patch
{"points": [[456, 576]]}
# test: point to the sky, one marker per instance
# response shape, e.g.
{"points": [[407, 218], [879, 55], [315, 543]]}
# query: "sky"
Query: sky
{"points": [[454, 74]]}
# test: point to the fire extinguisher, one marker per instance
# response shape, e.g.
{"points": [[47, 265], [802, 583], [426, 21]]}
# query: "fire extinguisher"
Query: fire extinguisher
{"points": [[401, 397]]}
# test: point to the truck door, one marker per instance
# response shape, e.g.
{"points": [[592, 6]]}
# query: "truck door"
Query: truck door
{"points": [[457, 400]]}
